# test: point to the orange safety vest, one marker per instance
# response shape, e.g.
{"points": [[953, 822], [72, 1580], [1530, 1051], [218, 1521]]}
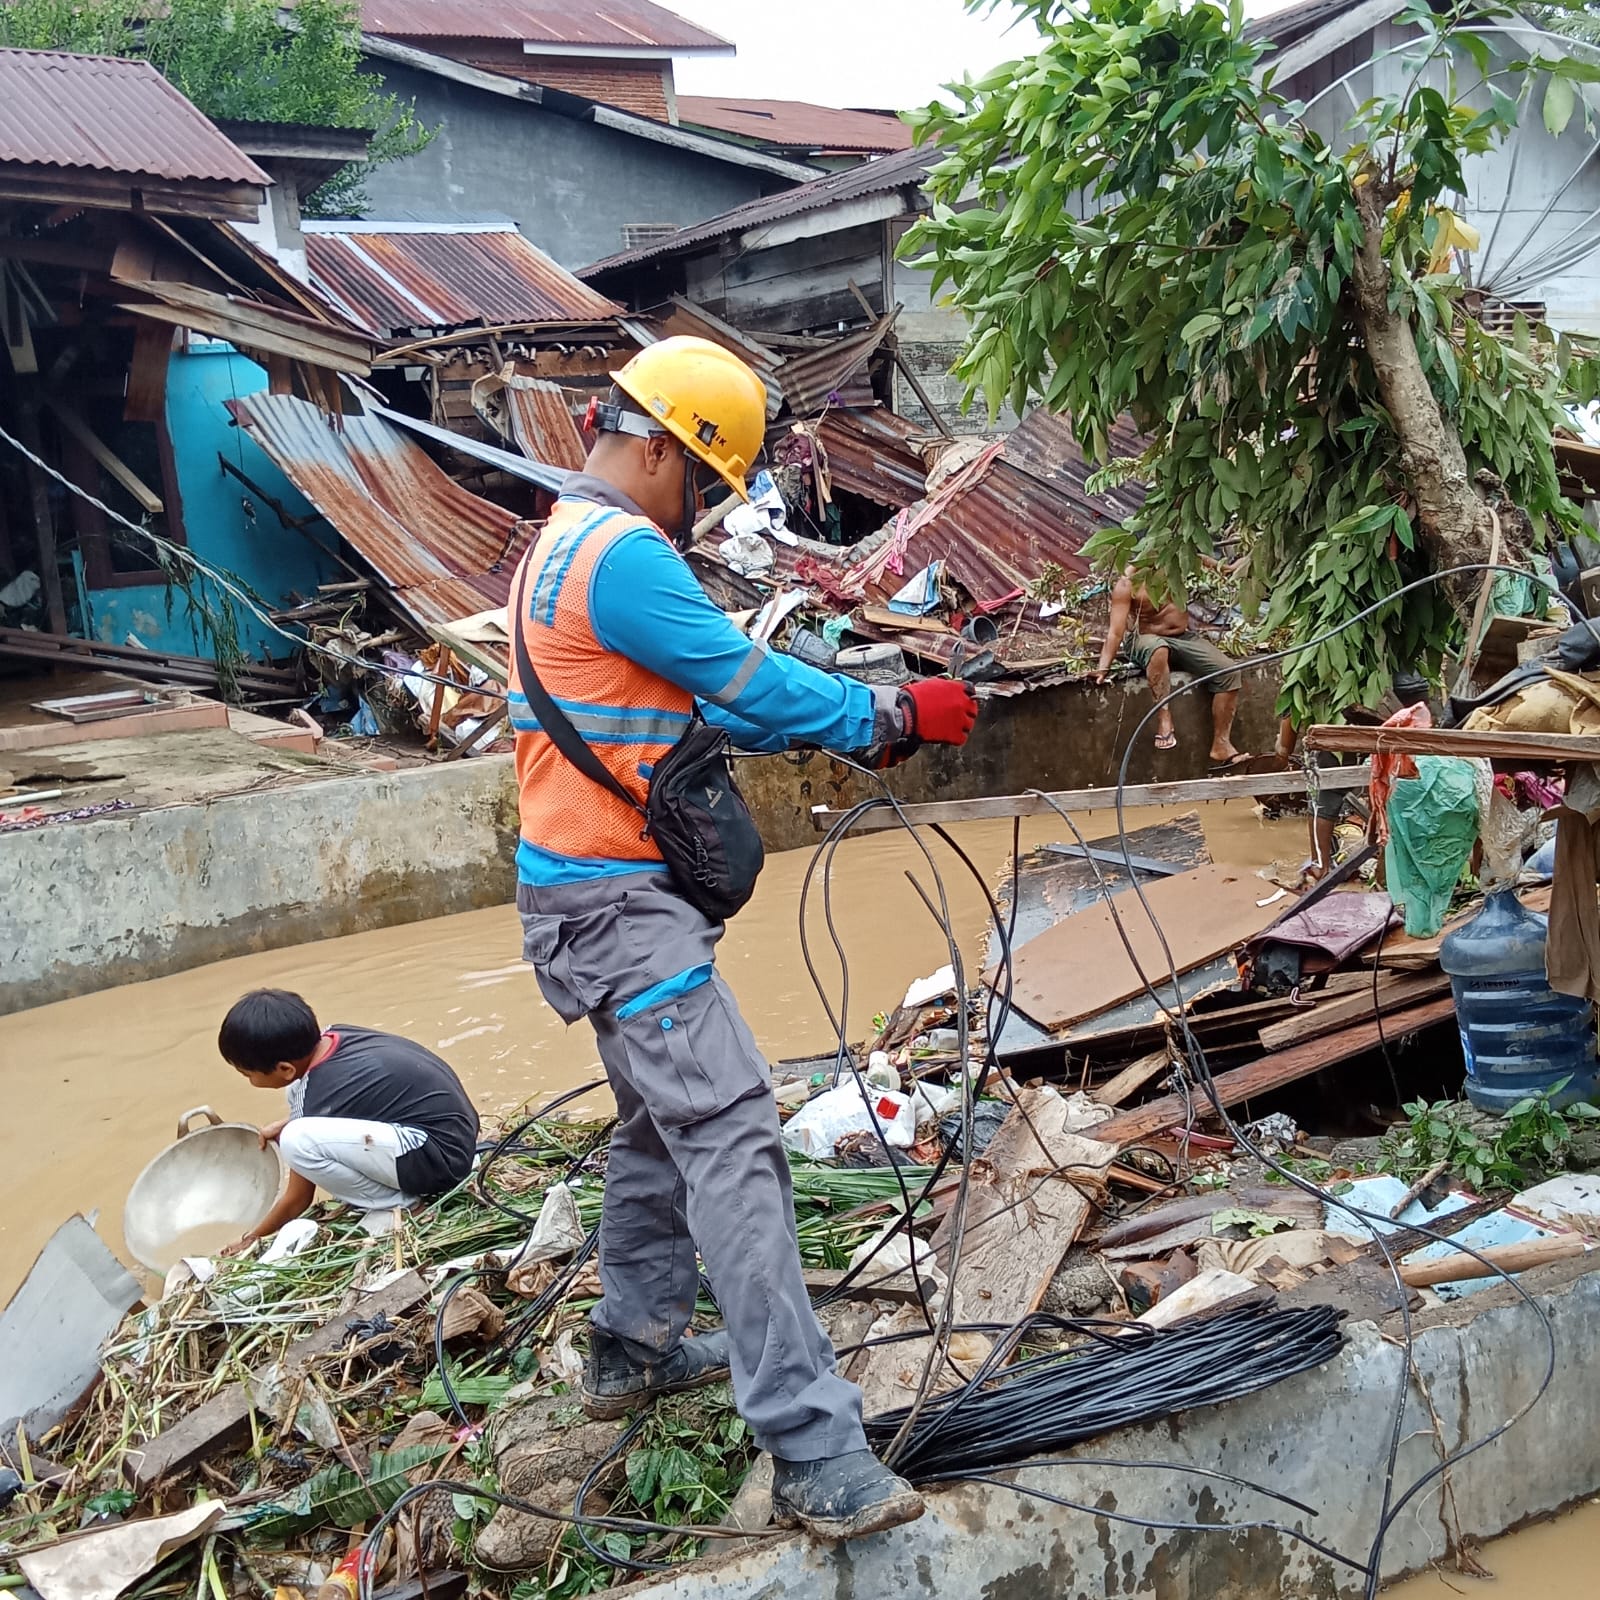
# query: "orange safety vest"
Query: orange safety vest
{"points": [[629, 716]]}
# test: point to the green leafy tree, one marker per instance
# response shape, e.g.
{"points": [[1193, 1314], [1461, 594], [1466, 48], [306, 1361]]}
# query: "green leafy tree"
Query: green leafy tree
{"points": [[1134, 222], [88, 27], [248, 60]]}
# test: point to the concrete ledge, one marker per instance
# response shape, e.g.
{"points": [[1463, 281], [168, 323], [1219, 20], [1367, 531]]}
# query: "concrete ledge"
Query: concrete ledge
{"points": [[1320, 1438], [121, 899]]}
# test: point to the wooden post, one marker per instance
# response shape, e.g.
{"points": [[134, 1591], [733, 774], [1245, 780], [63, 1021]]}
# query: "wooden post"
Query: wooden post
{"points": [[44, 528]]}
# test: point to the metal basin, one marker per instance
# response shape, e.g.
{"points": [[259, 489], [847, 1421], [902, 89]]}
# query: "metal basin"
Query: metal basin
{"points": [[213, 1176]]}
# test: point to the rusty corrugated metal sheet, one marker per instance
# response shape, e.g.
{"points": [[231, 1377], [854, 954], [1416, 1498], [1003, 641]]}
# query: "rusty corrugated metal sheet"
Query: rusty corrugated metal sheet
{"points": [[993, 522], [907, 169], [797, 124], [1043, 444], [871, 453], [394, 279], [444, 553], [820, 378], [542, 425], [108, 115], [616, 24]]}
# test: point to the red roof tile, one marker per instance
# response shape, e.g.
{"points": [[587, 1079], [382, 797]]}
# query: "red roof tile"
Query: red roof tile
{"points": [[797, 125], [109, 115]]}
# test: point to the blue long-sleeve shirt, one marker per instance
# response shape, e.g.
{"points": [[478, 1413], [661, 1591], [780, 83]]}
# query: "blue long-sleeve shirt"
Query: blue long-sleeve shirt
{"points": [[645, 604]]}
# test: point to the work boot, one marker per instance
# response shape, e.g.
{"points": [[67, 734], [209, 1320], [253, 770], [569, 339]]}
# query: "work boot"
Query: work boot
{"points": [[842, 1497], [614, 1382]]}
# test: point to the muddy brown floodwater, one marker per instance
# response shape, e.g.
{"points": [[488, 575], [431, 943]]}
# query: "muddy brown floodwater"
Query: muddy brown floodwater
{"points": [[1546, 1562], [95, 1086]]}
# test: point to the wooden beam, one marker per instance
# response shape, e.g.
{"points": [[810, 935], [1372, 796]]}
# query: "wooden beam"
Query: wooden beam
{"points": [[119, 469], [225, 1418], [43, 525], [1521, 1257], [1270, 1072], [1135, 794], [1492, 746], [1395, 993]]}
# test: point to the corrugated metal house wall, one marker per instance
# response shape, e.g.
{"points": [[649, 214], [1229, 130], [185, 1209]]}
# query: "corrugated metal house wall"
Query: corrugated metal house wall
{"points": [[1508, 189]]}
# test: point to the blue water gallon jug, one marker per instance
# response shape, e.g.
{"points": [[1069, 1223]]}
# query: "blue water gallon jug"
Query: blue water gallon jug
{"points": [[1519, 1036]]}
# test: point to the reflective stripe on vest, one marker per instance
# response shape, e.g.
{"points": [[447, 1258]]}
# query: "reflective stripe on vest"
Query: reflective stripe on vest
{"points": [[629, 715]]}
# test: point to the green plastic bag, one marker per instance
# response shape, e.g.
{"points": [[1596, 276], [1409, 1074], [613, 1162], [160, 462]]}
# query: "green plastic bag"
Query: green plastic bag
{"points": [[1433, 825]]}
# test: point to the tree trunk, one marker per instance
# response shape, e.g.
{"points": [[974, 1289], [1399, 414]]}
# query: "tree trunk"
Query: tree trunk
{"points": [[1452, 518]]}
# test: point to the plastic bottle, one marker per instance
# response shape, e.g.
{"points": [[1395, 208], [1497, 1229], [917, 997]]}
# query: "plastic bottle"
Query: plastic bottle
{"points": [[1518, 1035]]}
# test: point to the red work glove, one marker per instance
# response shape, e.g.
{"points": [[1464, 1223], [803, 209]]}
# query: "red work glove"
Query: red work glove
{"points": [[939, 710]]}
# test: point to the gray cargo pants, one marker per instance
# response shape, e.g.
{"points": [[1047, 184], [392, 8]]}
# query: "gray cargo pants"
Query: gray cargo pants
{"points": [[695, 1159]]}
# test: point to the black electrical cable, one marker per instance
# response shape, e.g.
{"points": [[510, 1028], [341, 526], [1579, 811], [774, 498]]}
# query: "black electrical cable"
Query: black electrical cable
{"points": [[1390, 1506]]}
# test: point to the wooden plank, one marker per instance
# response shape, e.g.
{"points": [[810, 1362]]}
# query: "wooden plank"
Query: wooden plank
{"points": [[1184, 791], [873, 1284], [119, 469], [1395, 993], [1081, 967], [43, 525], [1522, 1257], [1132, 1078], [1020, 1221], [1492, 746], [224, 1418], [1270, 1072], [146, 399]]}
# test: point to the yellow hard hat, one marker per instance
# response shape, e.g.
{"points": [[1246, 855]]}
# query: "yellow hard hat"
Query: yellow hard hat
{"points": [[706, 398]]}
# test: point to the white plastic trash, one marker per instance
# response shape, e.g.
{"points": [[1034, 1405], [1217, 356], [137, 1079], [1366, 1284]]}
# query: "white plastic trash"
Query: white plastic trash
{"points": [[816, 1128], [290, 1240], [880, 1071]]}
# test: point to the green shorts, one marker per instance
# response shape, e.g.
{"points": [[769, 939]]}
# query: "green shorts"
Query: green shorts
{"points": [[1191, 653]]}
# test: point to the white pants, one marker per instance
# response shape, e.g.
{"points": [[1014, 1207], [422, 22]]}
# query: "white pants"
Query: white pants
{"points": [[350, 1160]]}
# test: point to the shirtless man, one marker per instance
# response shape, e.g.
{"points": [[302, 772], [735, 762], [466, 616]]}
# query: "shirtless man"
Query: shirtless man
{"points": [[1159, 638]]}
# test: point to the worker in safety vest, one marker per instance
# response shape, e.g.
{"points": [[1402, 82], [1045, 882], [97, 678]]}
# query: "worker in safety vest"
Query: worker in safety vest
{"points": [[624, 640]]}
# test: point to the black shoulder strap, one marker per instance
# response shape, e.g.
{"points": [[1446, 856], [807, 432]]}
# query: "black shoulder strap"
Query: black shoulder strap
{"points": [[551, 717]]}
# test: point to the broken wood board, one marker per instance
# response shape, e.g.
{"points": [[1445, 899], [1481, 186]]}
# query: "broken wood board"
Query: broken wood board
{"points": [[1187, 791], [225, 1417], [1132, 1078], [1407, 954], [1485, 745], [1080, 967], [1270, 1072], [871, 1284], [1292, 1205], [1395, 992], [1025, 1209]]}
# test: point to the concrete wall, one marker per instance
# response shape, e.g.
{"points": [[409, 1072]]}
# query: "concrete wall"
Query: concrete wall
{"points": [[568, 185], [1320, 1438], [252, 544], [87, 906], [120, 899]]}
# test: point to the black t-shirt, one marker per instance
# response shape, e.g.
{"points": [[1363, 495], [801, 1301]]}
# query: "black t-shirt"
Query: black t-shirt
{"points": [[378, 1077]]}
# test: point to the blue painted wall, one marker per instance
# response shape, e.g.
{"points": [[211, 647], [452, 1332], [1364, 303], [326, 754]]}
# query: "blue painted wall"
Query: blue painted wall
{"points": [[270, 558]]}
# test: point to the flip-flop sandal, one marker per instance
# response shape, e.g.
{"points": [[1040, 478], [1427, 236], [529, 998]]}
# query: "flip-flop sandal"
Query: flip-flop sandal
{"points": [[1166, 741], [1239, 760]]}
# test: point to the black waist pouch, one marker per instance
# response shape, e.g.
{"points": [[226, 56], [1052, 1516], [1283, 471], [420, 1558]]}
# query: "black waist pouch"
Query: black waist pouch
{"points": [[693, 809]]}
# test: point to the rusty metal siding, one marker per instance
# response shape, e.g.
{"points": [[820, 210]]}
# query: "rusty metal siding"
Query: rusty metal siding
{"points": [[1043, 445], [796, 124], [542, 424], [615, 24], [870, 453], [109, 115], [907, 169], [445, 553], [394, 280]]}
